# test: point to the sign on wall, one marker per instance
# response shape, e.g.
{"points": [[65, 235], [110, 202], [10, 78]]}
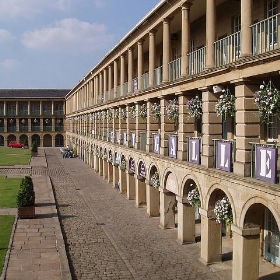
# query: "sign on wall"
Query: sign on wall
{"points": [[133, 139], [194, 150], [224, 156], [142, 169], [131, 165], [266, 164], [124, 138], [112, 136], [117, 159], [156, 143], [173, 146], [117, 136]]}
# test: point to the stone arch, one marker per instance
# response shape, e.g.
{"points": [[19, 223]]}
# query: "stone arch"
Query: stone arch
{"points": [[47, 140], [2, 140], [59, 140], [23, 138], [10, 138], [256, 201], [170, 179], [35, 138], [189, 183]]}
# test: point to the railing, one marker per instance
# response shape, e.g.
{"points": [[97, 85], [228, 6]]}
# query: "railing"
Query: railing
{"points": [[11, 113], [111, 94], [35, 128], [227, 49], [253, 158], [59, 112], [11, 129], [134, 84], [47, 128], [158, 76], [233, 154], [125, 89], [35, 112], [145, 80], [143, 141], [197, 61], [23, 113], [1, 128], [265, 35], [23, 128], [118, 92], [174, 69], [2, 112], [47, 113], [59, 128]]}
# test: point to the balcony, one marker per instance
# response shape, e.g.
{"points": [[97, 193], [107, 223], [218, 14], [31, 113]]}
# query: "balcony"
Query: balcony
{"points": [[23, 113], [35, 128], [47, 112], [158, 76], [265, 35], [145, 81], [11, 129], [227, 50], [11, 113], [59, 128], [35, 112], [47, 128], [174, 69], [59, 112], [197, 61]]}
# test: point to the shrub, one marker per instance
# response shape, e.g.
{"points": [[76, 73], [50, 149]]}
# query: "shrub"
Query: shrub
{"points": [[34, 148], [26, 194]]}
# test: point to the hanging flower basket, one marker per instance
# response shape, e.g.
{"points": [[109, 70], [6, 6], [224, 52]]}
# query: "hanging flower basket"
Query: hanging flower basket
{"points": [[155, 180], [194, 107], [223, 211], [110, 115], [194, 197], [123, 164], [123, 114], [116, 113], [267, 99], [143, 111], [225, 106], [172, 109], [155, 110], [132, 112]]}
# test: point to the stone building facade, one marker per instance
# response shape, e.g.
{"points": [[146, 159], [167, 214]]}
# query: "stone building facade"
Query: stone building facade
{"points": [[129, 120], [28, 115]]}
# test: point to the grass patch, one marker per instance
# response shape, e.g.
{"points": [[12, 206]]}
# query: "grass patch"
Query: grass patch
{"points": [[6, 225], [14, 156], [9, 188]]}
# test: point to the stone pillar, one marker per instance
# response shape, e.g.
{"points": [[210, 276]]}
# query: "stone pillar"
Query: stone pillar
{"points": [[115, 175], [185, 10], [152, 49], [211, 128], [152, 201], [130, 69], [115, 78], [130, 180], [186, 221], [110, 172], [96, 163], [140, 188], [122, 75], [123, 183], [246, 253], [5, 108], [246, 31], [140, 64], [211, 234], [210, 32], [105, 169], [41, 108], [105, 85], [16, 108], [167, 203], [110, 82], [28, 108], [247, 127], [166, 50]]}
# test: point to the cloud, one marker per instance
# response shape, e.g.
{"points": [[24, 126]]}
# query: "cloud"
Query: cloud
{"points": [[5, 36], [9, 64], [68, 35]]}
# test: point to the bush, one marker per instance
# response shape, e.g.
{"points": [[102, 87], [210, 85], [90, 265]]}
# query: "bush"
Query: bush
{"points": [[34, 148], [26, 194]]}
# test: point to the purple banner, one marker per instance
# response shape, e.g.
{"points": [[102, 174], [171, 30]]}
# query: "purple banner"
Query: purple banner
{"points": [[133, 139], [117, 160], [117, 136], [156, 143], [224, 156], [124, 138], [173, 146], [194, 150], [142, 169], [266, 164], [131, 165]]}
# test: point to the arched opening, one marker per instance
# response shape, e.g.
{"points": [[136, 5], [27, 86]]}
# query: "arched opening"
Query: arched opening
{"points": [[131, 180], [35, 138], [153, 194], [59, 140], [10, 138], [123, 167], [47, 140], [23, 138], [2, 141], [140, 186]]}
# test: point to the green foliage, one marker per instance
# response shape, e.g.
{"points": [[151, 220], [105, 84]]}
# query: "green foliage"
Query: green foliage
{"points": [[34, 148], [26, 194]]}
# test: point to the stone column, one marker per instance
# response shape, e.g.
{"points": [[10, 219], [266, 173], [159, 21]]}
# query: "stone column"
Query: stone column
{"points": [[211, 234], [186, 221], [246, 253], [5, 125], [140, 189], [105, 169], [16, 108], [246, 31], [152, 201], [140, 64], [167, 216], [41, 108], [115, 175], [130, 69], [122, 75], [166, 50], [5, 108], [211, 128], [247, 127], [115, 78], [28, 109], [105, 85], [109, 82], [123, 183], [210, 32], [130, 180], [152, 50], [185, 11]]}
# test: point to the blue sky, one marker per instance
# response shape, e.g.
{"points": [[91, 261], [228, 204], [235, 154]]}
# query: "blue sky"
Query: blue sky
{"points": [[54, 43]]}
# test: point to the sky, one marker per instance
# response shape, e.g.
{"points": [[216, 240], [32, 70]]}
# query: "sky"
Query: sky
{"points": [[55, 43]]}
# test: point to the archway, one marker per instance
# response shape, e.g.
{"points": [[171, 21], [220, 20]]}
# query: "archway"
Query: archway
{"points": [[36, 138], [153, 194], [47, 140], [2, 140], [10, 138], [23, 138], [140, 185], [122, 174], [59, 140], [130, 179]]}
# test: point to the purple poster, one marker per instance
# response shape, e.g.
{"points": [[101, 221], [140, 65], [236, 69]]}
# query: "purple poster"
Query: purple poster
{"points": [[142, 169], [194, 150], [266, 164], [172, 146], [133, 139], [224, 156], [156, 143], [131, 165]]}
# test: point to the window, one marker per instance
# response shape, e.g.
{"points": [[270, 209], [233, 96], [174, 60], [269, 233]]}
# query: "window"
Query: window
{"points": [[237, 23], [272, 10], [272, 130]]}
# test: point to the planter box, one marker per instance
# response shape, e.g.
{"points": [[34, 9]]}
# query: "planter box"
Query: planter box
{"points": [[26, 212]]}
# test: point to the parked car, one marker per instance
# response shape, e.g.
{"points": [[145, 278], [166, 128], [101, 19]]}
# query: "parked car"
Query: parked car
{"points": [[15, 144]]}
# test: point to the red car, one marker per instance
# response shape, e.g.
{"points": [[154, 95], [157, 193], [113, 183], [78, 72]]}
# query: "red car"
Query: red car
{"points": [[15, 144]]}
